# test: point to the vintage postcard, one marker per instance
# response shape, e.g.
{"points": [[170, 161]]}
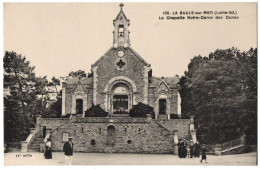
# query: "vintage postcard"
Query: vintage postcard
{"points": [[130, 83]]}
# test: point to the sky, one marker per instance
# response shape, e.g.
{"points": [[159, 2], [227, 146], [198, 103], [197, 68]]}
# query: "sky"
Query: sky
{"points": [[58, 38]]}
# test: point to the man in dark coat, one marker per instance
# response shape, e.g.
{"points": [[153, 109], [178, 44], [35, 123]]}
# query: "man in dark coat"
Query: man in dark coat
{"points": [[180, 148], [68, 151], [184, 149], [191, 149], [197, 150]]}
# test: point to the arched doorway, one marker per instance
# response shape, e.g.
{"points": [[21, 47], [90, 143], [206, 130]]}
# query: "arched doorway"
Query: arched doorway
{"points": [[79, 106], [111, 135], [162, 106], [120, 100]]}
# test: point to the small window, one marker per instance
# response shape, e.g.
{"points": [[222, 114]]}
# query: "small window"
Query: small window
{"points": [[93, 142], [65, 136], [125, 130], [129, 141], [139, 130], [82, 129], [100, 130]]}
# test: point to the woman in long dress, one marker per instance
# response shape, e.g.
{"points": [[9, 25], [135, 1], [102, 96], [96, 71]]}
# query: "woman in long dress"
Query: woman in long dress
{"points": [[48, 153]]}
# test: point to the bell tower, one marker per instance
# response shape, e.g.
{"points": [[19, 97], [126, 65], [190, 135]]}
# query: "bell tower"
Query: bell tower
{"points": [[121, 32]]}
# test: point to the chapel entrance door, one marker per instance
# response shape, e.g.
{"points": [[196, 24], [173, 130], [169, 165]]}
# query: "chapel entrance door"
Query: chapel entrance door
{"points": [[162, 106], [79, 106], [120, 104]]}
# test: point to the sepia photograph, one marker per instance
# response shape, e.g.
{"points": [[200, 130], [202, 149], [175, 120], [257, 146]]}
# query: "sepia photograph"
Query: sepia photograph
{"points": [[127, 83]]}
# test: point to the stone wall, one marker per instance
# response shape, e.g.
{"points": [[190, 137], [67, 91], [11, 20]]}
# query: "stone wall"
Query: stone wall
{"points": [[131, 135], [174, 102], [182, 125]]}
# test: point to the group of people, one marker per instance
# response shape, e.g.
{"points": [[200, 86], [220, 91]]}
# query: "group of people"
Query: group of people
{"points": [[67, 148], [184, 150], [191, 150]]}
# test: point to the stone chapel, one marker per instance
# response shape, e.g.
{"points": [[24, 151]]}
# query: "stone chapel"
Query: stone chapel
{"points": [[121, 78]]}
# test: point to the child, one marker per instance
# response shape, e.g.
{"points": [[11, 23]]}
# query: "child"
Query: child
{"points": [[203, 153]]}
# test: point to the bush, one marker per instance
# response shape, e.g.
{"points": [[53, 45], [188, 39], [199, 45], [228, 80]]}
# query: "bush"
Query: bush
{"points": [[174, 116], [96, 111], [66, 116], [141, 110]]}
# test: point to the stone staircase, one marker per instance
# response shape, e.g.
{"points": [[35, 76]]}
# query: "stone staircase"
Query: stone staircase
{"points": [[35, 146]]}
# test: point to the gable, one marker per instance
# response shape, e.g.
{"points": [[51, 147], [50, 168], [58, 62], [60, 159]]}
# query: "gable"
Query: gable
{"points": [[79, 87], [121, 15], [128, 50], [162, 87]]}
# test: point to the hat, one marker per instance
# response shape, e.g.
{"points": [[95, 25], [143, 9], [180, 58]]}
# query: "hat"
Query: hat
{"points": [[70, 137]]}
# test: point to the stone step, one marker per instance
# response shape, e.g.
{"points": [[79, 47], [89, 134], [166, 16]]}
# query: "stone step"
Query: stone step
{"points": [[34, 146], [34, 150], [38, 139]]}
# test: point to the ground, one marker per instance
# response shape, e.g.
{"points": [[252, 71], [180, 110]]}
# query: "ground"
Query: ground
{"points": [[17, 158]]}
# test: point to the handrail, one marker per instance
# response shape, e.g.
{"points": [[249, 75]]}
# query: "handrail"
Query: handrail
{"points": [[231, 143], [46, 137], [162, 126]]}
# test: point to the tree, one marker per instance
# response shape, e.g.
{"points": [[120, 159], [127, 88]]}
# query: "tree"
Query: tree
{"points": [[20, 104], [141, 110], [220, 90], [79, 73], [55, 82]]}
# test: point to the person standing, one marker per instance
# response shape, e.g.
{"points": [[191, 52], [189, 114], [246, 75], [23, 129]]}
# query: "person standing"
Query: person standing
{"points": [[180, 148], [203, 154], [48, 153], [197, 150], [184, 148], [191, 149], [68, 151]]}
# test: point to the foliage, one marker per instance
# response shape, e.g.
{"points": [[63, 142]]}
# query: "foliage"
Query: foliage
{"points": [[221, 91], [141, 110], [26, 95], [54, 111], [21, 103], [174, 116], [55, 82], [96, 111], [79, 73]]}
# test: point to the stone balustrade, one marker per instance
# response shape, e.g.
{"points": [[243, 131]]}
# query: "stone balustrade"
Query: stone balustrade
{"points": [[28, 141]]}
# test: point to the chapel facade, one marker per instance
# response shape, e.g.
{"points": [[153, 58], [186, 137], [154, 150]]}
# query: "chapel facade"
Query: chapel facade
{"points": [[121, 78]]}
